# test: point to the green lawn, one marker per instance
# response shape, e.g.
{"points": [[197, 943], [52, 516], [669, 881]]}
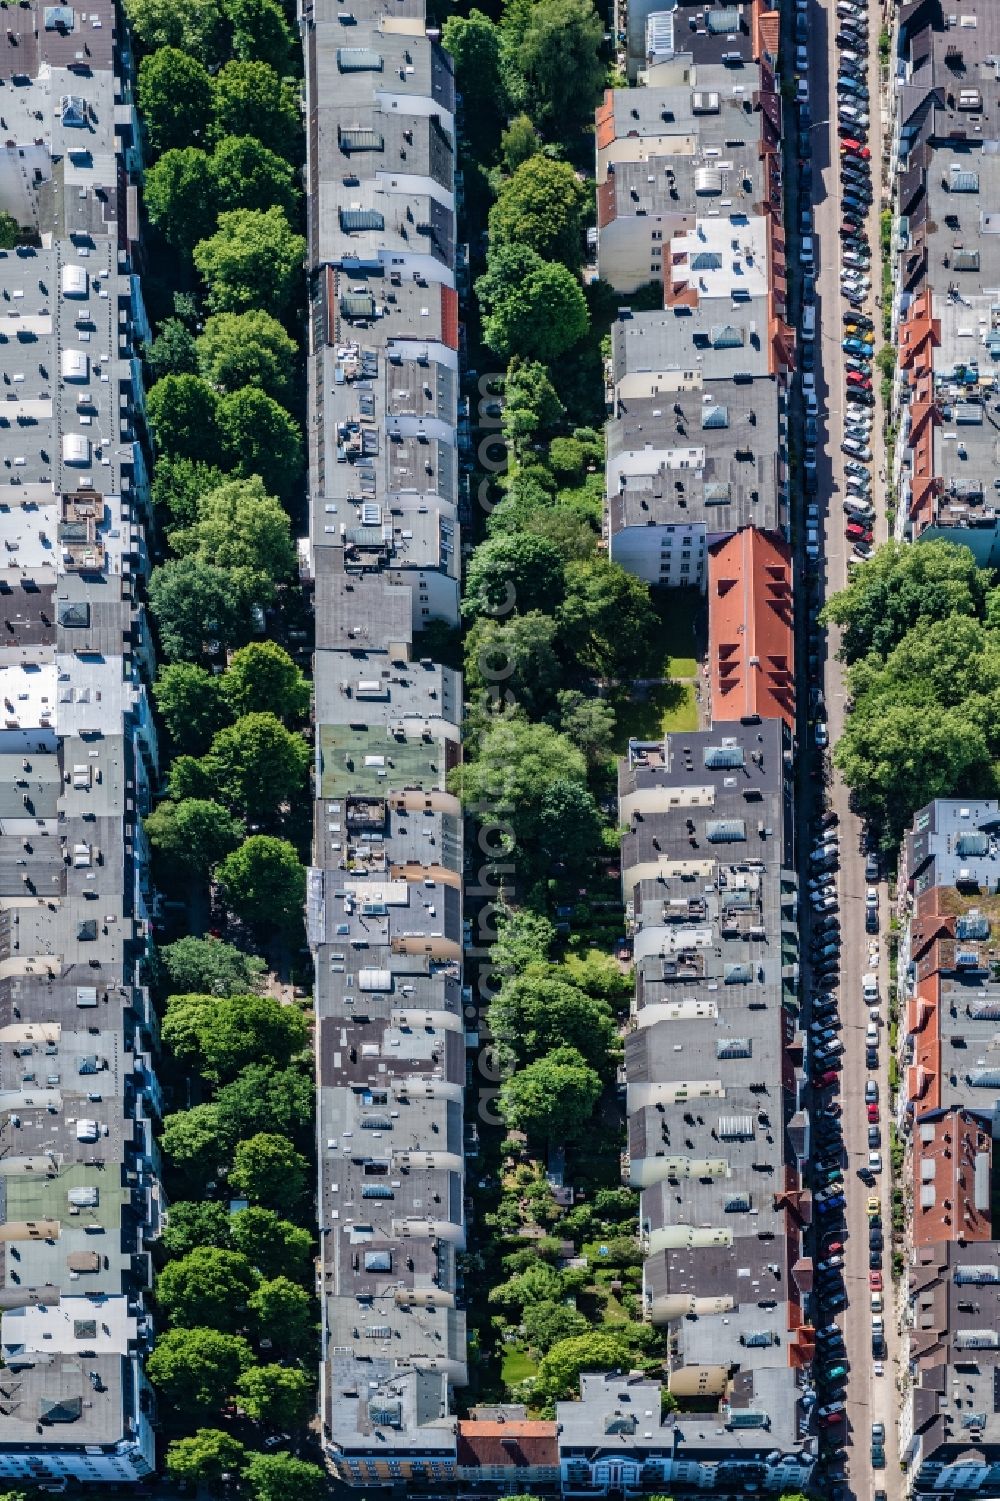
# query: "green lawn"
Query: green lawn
{"points": [[681, 612], [669, 706], [517, 1365]]}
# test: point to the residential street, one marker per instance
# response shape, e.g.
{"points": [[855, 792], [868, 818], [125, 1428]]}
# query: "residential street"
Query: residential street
{"points": [[871, 1398]]}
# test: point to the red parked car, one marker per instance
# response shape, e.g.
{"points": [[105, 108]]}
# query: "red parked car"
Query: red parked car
{"points": [[875, 1281], [857, 533], [873, 1115], [850, 147]]}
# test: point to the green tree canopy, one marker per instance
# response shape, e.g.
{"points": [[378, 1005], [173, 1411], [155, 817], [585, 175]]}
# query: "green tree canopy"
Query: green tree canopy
{"points": [[247, 349], [558, 64], [274, 1246], [260, 32], [172, 351], [532, 1015], [254, 260], [285, 1314], [542, 206], [196, 608], [263, 678], [530, 306], [263, 1098], [519, 142], [178, 485], [621, 1347], [517, 762], [208, 1287], [531, 405], [551, 1098], [197, 1369], [265, 882], [183, 412], [277, 1395], [569, 822], [259, 438], [901, 586], [247, 174], [208, 966], [220, 1035], [280, 1477], [606, 621], [269, 1171], [588, 722], [193, 1223], [257, 764], [192, 1140], [251, 99], [244, 530], [524, 937], [523, 498], [10, 231], [515, 658], [175, 97], [474, 44], [545, 1323], [180, 196], [520, 573], [190, 702], [204, 1457], [193, 835], [197, 27]]}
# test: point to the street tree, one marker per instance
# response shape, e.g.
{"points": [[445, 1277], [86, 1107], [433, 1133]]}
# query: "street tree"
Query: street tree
{"points": [[254, 260], [192, 1223], [278, 1395], [552, 1098], [259, 438], [260, 32], [258, 765], [558, 65], [247, 174], [542, 206], [473, 42], [264, 883], [515, 659], [247, 349], [179, 194], [191, 705], [178, 485], [607, 623], [263, 678], [281, 1477], [220, 1035], [196, 1370], [192, 1141], [183, 413], [207, 966], [533, 1015], [209, 1287], [530, 306], [203, 1458], [520, 573], [172, 351], [285, 1314], [252, 99], [530, 406], [274, 1246], [901, 586], [245, 531], [265, 1098], [192, 836], [175, 97], [197, 607], [196, 28], [269, 1171]]}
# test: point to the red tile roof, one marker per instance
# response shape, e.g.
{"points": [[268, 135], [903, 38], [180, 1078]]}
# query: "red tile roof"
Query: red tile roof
{"points": [[750, 633], [522, 1444]]}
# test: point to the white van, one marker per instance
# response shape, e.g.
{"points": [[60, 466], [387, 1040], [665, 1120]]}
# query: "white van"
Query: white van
{"points": [[869, 989]]}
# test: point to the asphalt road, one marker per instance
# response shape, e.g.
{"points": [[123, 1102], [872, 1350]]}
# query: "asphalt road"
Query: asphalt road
{"points": [[870, 1398]]}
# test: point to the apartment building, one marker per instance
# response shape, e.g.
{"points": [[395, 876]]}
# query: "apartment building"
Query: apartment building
{"points": [[80, 1200], [751, 629], [716, 1131], [946, 314], [689, 197], [385, 889], [950, 994]]}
